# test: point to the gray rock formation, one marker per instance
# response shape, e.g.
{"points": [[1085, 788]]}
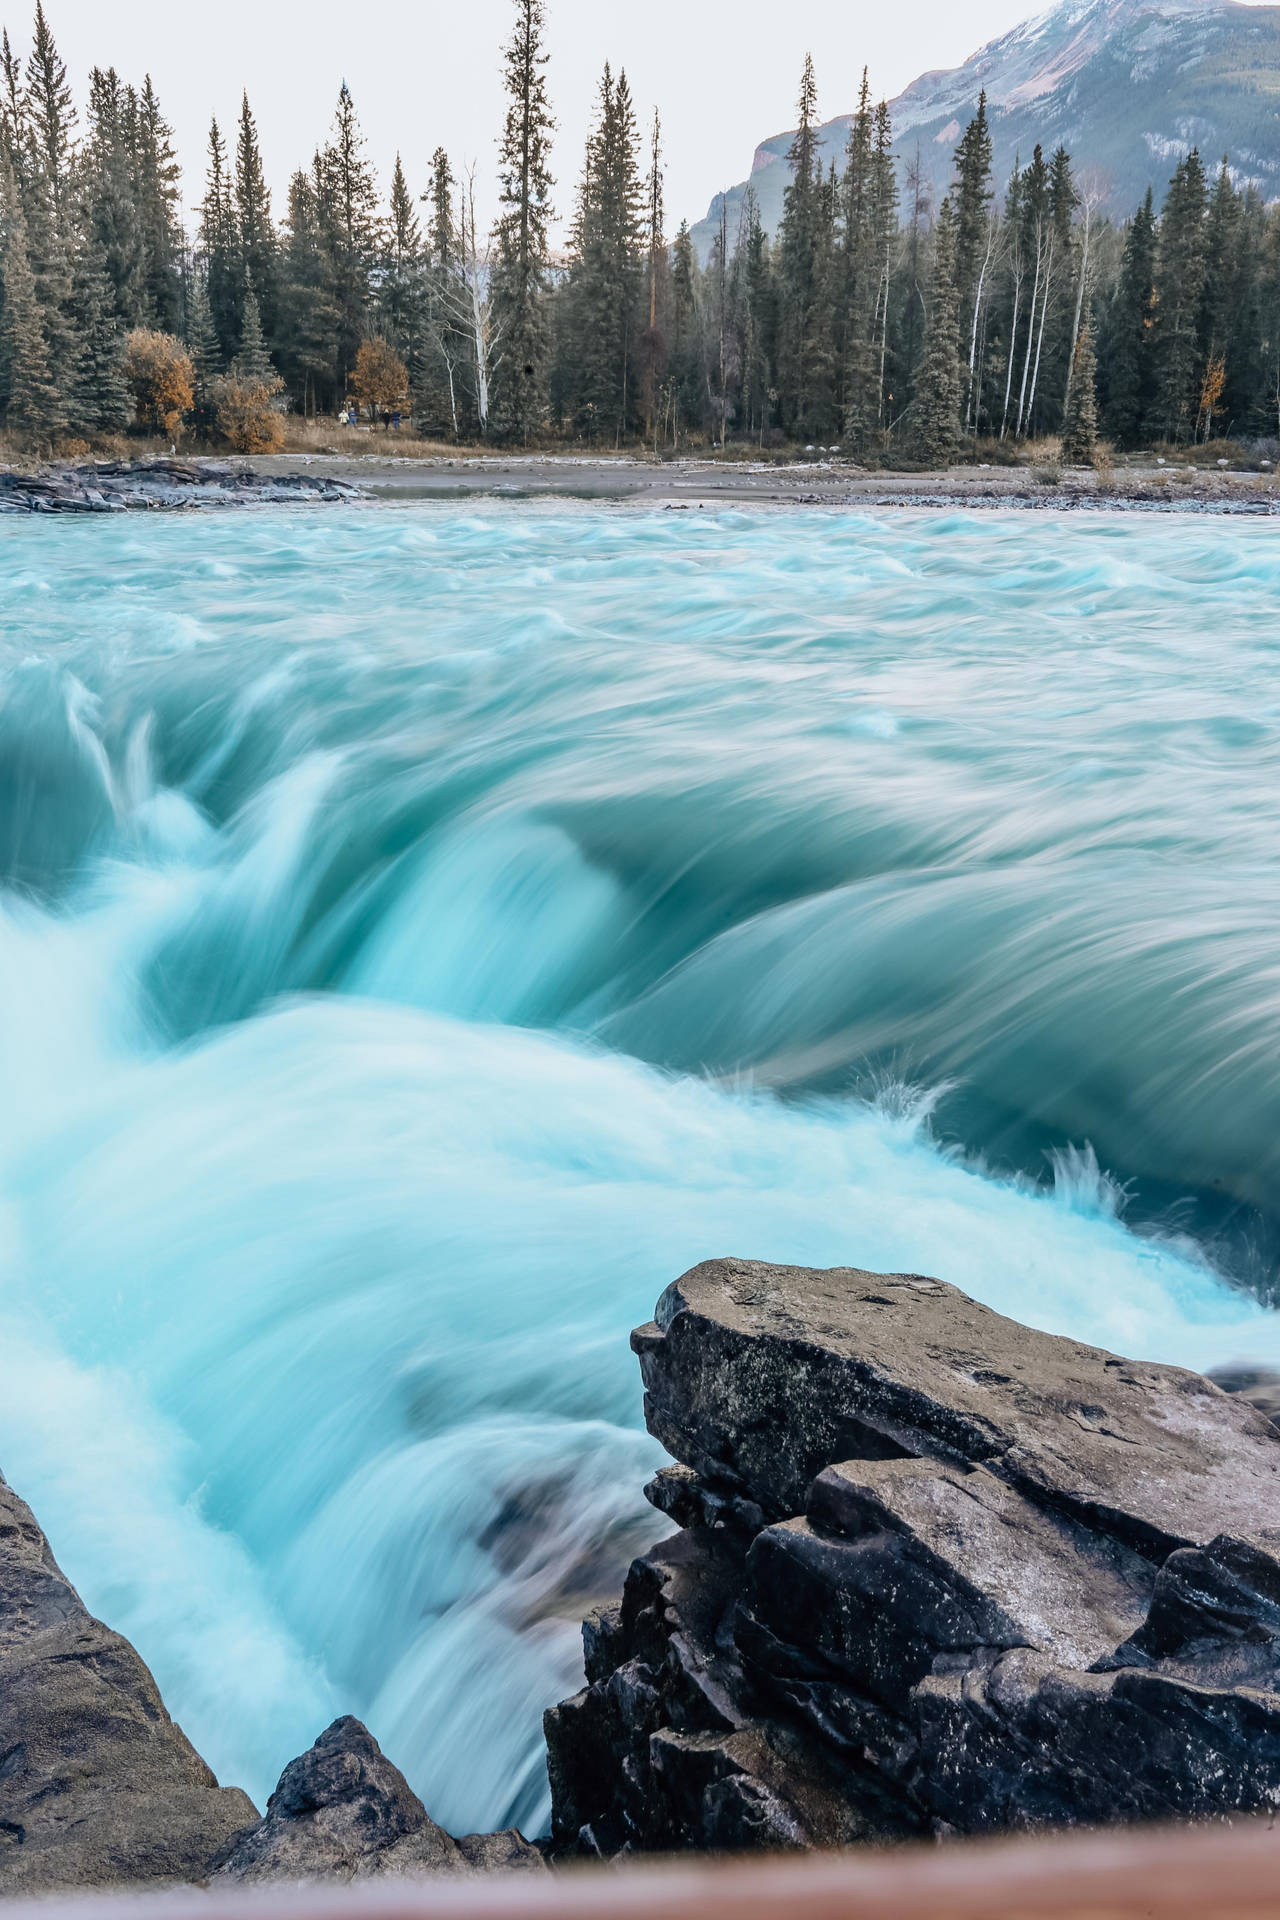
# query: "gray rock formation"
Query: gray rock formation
{"points": [[343, 1812], [935, 1573], [98, 1787], [122, 486]]}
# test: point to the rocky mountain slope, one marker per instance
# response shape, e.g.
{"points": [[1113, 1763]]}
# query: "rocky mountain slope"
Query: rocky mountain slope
{"points": [[1126, 85]]}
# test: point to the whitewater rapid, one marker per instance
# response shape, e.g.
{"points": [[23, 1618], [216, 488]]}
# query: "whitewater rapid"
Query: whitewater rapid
{"points": [[426, 934]]}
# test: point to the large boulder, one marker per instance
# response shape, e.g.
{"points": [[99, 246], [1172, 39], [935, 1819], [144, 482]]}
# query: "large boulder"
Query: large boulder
{"points": [[98, 1787], [936, 1572], [344, 1812]]}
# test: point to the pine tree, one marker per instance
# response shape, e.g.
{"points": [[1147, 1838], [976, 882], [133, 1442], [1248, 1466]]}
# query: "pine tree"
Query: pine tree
{"points": [[98, 400], [1180, 277], [1080, 422], [520, 271], [1128, 359], [34, 407], [936, 421], [654, 350], [254, 231]]}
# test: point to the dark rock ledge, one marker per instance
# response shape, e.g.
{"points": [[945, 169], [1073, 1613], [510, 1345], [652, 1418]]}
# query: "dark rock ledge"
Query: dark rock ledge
{"points": [[99, 1788], [122, 486], [935, 1574]]}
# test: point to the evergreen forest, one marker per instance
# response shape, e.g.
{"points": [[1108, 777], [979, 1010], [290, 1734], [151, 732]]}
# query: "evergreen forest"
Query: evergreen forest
{"points": [[873, 321]]}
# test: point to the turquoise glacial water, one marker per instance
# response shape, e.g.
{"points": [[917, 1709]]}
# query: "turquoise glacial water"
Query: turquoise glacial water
{"points": [[424, 934]]}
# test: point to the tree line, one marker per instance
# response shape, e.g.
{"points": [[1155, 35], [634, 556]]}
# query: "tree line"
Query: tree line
{"points": [[872, 320]]}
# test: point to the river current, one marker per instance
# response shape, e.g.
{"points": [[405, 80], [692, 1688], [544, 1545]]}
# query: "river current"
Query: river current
{"points": [[424, 933]]}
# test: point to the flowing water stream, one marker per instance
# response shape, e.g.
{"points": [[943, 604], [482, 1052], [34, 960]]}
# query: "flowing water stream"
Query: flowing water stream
{"points": [[424, 934]]}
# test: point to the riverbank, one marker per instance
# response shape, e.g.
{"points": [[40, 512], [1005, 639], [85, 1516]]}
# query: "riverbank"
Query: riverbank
{"points": [[688, 485], [706, 483]]}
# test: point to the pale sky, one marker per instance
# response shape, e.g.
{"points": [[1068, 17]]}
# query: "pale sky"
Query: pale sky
{"points": [[425, 73]]}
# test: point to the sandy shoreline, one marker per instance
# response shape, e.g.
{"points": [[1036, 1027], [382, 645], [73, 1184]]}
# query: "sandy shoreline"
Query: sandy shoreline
{"points": [[692, 484]]}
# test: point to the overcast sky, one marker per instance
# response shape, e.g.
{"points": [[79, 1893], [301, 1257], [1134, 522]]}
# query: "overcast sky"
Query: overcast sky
{"points": [[426, 72]]}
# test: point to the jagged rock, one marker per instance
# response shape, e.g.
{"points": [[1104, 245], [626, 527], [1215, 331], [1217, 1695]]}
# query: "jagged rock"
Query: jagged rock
{"points": [[98, 1787], [938, 1572], [113, 486], [344, 1812]]}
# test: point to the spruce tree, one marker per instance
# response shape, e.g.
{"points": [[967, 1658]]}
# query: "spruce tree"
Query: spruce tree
{"points": [[885, 222], [158, 202], [203, 346], [15, 142], [972, 197], [805, 265], [1223, 306], [51, 119], [441, 395], [1180, 278], [1080, 422], [522, 253], [1128, 360], [656, 276], [402, 293], [936, 418], [606, 271], [307, 330], [855, 343], [112, 202], [34, 407], [685, 345], [351, 212], [219, 245], [252, 365], [254, 232], [99, 400]]}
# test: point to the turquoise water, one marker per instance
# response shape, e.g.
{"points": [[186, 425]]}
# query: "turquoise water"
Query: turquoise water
{"points": [[426, 934]]}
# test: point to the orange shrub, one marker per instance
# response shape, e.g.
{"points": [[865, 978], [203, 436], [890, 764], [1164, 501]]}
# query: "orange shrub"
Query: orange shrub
{"points": [[381, 379], [245, 416], [158, 370]]}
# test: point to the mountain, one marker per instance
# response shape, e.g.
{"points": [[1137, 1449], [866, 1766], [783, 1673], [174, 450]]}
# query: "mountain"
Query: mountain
{"points": [[1127, 86]]}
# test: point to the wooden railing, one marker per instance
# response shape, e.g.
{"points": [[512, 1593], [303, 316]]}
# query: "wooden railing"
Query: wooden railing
{"points": [[1210, 1873]]}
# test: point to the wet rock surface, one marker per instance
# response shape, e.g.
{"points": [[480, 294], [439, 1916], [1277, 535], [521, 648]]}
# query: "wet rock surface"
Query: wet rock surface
{"points": [[114, 486], [344, 1812], [98, 1787], [936, 1573]]}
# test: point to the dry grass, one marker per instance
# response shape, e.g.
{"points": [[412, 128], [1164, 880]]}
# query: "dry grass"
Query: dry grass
{"points": [[354, 443]]}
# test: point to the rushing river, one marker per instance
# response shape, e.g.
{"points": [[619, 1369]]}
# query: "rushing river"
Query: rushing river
{"points": [[425, 934]]}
